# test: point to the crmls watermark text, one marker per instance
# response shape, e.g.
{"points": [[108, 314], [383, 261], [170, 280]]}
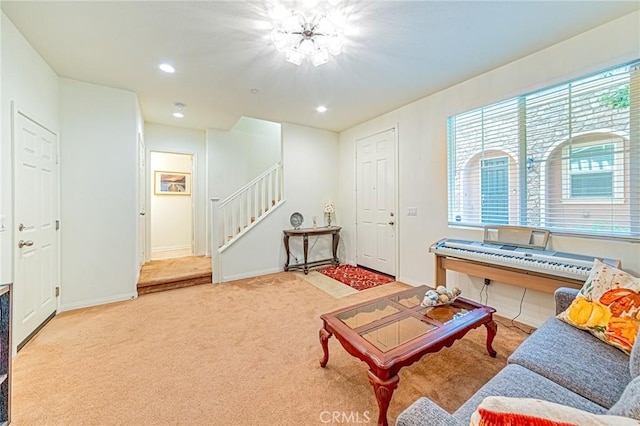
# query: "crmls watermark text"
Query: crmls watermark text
{"points": [[351, 417]]}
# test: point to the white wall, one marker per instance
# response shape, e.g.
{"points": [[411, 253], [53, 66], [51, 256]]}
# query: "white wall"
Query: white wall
{"points": [[171, 214], [237, 156], [161, 138], [422, 143], [310, 178], [99, 208], [28, 81]]}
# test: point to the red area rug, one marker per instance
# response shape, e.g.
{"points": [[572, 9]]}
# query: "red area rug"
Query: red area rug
{"points": [[355, 277]]}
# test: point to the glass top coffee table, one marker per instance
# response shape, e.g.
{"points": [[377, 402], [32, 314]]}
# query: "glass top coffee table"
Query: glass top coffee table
{"points": [[395, 331]]}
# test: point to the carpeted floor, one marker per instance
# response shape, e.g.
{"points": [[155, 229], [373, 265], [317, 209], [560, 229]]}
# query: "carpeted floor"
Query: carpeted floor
{"points": [[240, 353], [356, 277]]}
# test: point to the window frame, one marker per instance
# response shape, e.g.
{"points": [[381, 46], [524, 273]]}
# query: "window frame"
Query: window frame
{"points": [[473, 133]]}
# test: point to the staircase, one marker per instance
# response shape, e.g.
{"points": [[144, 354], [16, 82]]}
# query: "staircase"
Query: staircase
{"points": [[246, 207]]}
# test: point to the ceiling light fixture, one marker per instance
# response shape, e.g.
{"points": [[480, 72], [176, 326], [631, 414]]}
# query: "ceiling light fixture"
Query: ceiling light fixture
{"points": [[179, 106], [315, 39], [167, 68], [321, 108]]}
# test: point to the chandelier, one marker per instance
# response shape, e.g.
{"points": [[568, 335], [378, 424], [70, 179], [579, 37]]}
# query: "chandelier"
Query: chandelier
{"points": [[300, 38]]}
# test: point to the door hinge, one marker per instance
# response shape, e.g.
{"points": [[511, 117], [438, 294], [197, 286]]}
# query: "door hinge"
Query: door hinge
{"points": [[57, 291], [57, 225]]}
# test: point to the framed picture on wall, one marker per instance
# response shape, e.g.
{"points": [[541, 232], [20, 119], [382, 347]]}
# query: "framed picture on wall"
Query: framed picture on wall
{"points": [[172, 183]]}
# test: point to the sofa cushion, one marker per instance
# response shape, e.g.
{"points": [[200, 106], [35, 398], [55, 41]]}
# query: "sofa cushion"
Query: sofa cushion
{"points": [[503, 411], [575, 360], [629, 403], [518, 382], [607, 306], [423, 412]]}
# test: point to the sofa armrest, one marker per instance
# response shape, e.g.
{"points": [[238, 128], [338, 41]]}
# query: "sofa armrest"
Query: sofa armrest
{"points": [[563, 297], [426, 412]]}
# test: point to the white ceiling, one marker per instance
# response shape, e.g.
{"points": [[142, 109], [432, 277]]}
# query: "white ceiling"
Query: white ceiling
{"points": [[396, 52]]}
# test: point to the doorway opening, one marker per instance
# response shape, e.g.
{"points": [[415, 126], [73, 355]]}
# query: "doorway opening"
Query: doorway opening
{"points": [[171, 205]]}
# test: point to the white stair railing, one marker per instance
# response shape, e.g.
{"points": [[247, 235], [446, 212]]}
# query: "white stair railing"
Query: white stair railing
{"points": [[247, 206]]}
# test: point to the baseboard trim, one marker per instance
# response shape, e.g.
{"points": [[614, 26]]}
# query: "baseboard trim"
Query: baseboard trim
{"points": [[250, 274], [96, 302], [160, 253]]}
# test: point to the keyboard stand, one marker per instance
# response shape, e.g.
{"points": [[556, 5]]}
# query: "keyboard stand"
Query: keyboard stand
{"points": [[519, 277]]}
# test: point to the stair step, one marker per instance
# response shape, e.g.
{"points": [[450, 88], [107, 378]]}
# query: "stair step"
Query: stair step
{"points": [[170, 285]]}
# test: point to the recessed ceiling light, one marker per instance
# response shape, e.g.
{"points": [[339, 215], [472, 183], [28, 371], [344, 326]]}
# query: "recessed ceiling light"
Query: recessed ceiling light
{"points": [[179, 106], [167, 68], [321, 109], [254, 91]]}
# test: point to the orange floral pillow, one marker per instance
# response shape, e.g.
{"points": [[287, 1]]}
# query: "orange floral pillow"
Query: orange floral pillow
{"points": [[608, 306], [504, 411]]}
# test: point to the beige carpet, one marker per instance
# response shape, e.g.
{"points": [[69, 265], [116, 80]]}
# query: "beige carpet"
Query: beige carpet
{"points": [[241, 353]]}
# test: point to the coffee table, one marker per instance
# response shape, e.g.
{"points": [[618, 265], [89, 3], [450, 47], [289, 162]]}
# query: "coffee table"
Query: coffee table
{"points": [[395, 331]]}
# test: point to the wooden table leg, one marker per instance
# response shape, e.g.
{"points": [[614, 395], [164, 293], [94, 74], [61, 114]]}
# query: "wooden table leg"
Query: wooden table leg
{"points": [[336, 240], [324, 341], [305, 244], [492, 329], [383, 390], [286, 248]]}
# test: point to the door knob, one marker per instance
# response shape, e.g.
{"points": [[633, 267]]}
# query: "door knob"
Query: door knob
{"points": [[21, 227], [23, 243], [392, 223]]}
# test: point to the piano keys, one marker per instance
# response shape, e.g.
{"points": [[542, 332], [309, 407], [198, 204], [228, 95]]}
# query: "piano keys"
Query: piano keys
{"points": [[541, 269]]}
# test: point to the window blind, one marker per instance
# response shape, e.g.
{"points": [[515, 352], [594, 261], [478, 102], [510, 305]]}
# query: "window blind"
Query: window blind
{"points": [[565, 158]]}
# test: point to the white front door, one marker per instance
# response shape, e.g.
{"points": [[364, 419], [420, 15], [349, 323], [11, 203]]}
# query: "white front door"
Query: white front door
{"points": [[35, 236], [376, 201]]}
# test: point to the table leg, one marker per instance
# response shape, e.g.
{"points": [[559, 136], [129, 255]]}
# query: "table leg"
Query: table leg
{"points": [[324, 341], [492, 329], [383, 390], [286, 248], [336, 240], [306, 250]]}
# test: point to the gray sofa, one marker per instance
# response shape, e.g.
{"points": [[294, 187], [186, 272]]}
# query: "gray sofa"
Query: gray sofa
{"points": [[557, 363]]}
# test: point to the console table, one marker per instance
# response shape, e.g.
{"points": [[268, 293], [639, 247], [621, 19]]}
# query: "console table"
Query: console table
{"points": [[334, 231]]}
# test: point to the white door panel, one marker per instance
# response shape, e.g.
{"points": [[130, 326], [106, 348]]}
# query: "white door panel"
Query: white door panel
{"points": [[376, 200], [35, 236], [142, 202]]}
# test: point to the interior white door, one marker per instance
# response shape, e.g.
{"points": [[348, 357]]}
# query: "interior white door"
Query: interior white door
{"points": [[35, 234], [142, 197], [376, 201]]}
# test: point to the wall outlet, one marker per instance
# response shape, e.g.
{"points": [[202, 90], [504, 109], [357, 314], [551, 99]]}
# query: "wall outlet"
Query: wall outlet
{"points": [[412, 211]]}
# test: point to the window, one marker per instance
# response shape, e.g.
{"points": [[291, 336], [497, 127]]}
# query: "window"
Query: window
{"points": [[591, 171], [566, 158], [595, 170]]}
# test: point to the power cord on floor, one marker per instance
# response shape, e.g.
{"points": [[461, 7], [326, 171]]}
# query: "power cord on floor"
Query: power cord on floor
{"points": [[512, 320], [485, 289]]}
